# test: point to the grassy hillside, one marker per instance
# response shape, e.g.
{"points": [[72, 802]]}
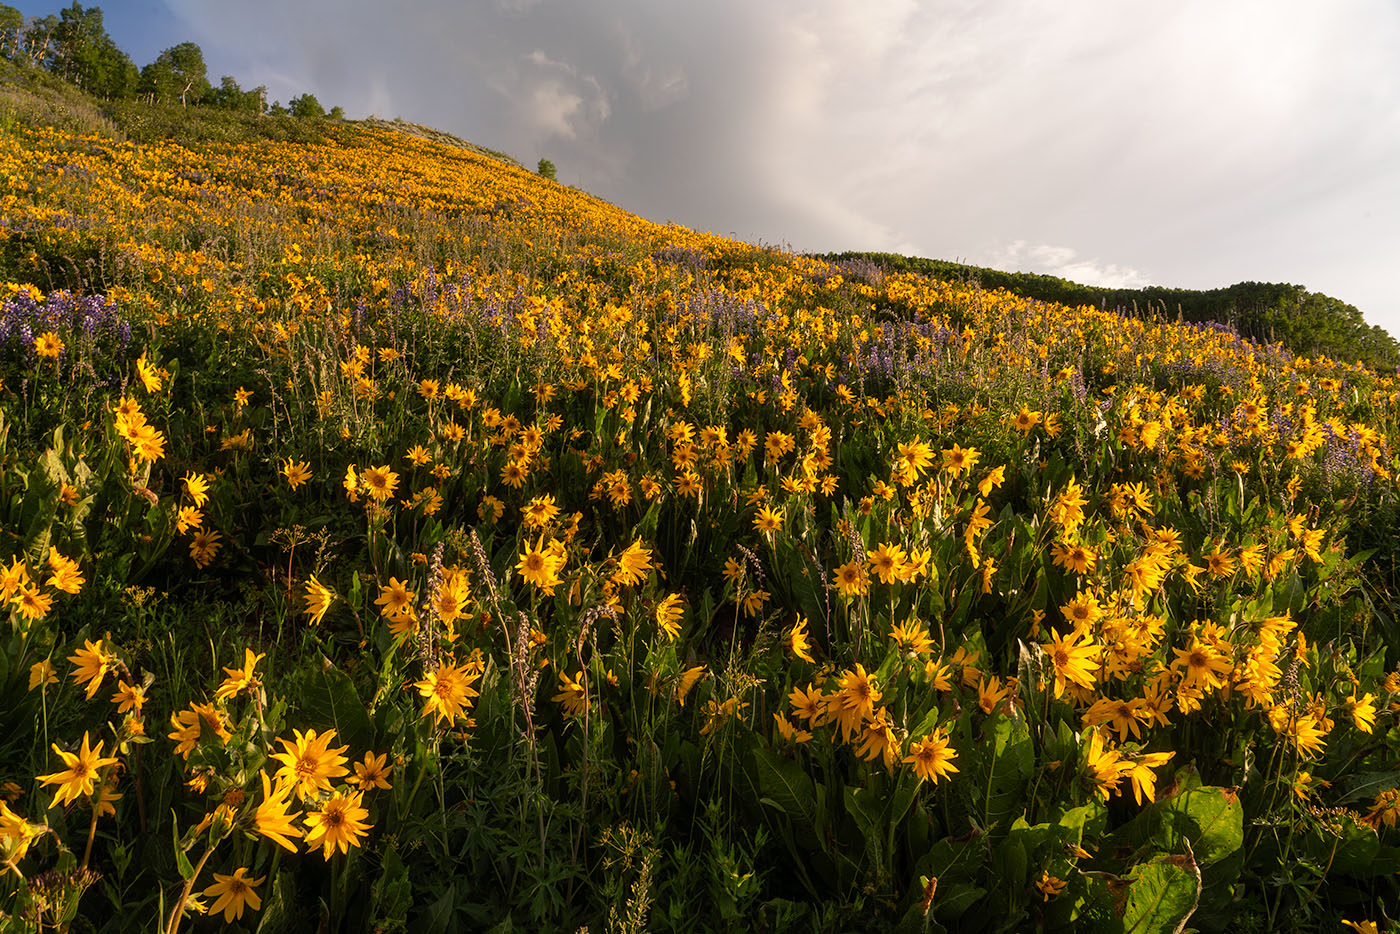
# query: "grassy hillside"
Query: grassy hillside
{"points": [[396, 538], [1307, 323]]}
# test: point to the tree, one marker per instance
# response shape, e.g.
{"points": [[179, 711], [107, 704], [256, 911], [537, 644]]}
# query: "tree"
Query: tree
{"points": [[186, 62], [36, 44], [11, 31], [177, 73], [230, 96], [305, 106], [155, 83], [337, 113], [83, 53], [275, 109], [122, 77], [546, 169]]}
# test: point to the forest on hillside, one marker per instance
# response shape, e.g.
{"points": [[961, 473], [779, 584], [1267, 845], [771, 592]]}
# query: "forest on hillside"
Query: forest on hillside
{"points": [[74, 45]]}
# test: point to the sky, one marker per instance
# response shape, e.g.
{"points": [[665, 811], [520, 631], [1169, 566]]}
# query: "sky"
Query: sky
{"points": [[1192, 144]]}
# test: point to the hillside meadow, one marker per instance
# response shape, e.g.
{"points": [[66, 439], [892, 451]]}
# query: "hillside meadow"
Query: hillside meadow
{"points": [[395, 537]]}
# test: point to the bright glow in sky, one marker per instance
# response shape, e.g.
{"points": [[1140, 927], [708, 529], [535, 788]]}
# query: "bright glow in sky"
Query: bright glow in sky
{"points": [[1193, 144]]}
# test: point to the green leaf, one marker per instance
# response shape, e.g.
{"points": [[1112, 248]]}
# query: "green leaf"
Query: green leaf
{"points": [[1386, 861], [784, 784], [1290, 593], [1003, 767], [437, 916], [1076, 822], [392, 893], [37, 512], [805, 580], [905, 790], [279, 910], [1010, 863], [1211, 819], [866, 808], [962, 609], [953, 901], [328, 697], [181, 860], [954, 860], [1163, 895], [1364, 786], [1036, 838]]}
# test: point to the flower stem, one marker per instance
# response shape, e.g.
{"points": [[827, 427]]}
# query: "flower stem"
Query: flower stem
{"points": [[174, 925], [92, 832]]}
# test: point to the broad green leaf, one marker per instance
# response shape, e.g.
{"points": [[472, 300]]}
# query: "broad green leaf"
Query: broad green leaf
{"points": [[1003, 766], [437, 917], [868, 811], [954, 860], [279, 908], [328, 699], [951, 902], [906, 788], [391, 896], [784, 783], [1162, 896], [1010, 862], [1210, 818], [805, 580]]}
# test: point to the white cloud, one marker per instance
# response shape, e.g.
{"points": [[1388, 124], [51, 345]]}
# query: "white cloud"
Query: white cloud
{"points": [[552, 98], [1065, 262], [552, 108]]}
